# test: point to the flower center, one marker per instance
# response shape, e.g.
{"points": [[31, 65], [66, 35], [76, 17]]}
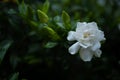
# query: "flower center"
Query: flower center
{"points": [[86, 34]]}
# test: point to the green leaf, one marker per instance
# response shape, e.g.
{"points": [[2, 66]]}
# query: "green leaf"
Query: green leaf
{"points": [[46, 6], [14, 76], [42, 16], [48, 31], [66, 20], [50, 45], [34, 25], [3, 48], [65, 17], [26, 11], [30, 13], [23, 9]]}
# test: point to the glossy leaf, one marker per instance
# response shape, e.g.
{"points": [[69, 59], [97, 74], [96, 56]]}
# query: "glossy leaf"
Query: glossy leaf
{"points": [[42, 16], [50, 33]]}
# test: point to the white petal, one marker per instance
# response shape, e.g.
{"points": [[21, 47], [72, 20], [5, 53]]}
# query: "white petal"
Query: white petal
{"points": [[92, 25], [97, 45], [101, 35], [85, 44], [70, 36], [98, 53], [82, 45], [74, 48], [86, 54], [81, 24]]}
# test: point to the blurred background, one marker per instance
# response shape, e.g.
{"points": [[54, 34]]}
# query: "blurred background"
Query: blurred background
{"points": [[30, 51]]}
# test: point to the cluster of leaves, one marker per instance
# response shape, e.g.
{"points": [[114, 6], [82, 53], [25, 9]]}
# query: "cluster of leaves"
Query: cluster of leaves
{"points": [[29, 35], [33, 41]]}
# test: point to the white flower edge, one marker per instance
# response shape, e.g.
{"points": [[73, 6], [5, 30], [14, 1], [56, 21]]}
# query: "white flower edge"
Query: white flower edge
{"points": [[87, 54], [87, 47], [74, 48], [71, 36]]}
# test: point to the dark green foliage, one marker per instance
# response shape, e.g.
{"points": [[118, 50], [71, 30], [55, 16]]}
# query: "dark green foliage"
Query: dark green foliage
{"points": [[3, 48], [33, 44], [14, 76]]}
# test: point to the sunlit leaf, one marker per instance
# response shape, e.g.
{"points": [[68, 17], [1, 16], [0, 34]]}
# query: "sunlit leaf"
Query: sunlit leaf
{"points": [[42, 16], [49, 32]]}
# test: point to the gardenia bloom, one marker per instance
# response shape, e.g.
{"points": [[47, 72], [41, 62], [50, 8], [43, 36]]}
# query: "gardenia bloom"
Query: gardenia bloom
{"points": [[88, 38]]}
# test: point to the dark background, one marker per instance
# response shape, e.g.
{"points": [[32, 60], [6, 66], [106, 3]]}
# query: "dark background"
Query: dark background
{"points": [[27, 57]]}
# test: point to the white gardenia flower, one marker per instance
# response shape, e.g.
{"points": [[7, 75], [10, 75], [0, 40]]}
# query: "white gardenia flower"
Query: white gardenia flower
{"points": [[88, 38]]}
